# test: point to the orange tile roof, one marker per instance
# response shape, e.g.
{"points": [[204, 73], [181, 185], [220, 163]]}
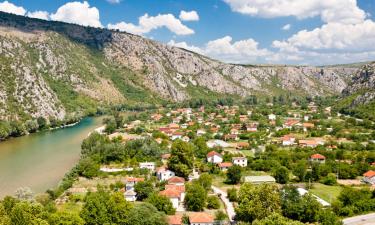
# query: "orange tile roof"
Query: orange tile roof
{"points": [[317, 156], [171, 193], [225, 164], [175, 179], [201, 217], [174, 220], [369, 174], [212, 153], [180, 188], [134, 179]]}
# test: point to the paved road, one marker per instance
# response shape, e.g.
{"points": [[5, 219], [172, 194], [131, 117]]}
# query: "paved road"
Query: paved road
{"points": [[368, 219], [228, 205]]}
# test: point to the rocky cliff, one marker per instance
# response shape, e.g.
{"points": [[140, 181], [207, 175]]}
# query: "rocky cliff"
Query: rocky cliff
{"points": [[52, 69]]}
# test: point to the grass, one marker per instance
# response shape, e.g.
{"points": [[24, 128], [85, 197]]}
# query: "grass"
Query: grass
{"points": [[248, 153], [325, 192]]}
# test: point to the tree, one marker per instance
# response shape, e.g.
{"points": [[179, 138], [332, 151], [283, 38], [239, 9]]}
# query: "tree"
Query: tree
{"points": [[65, 218], [281, 174], [213, 202], [232, 194], [300, 170], [25, 213], [87, 167], [205, 180], [196, 196], [257, 202], [162, 203], [330, 179], [220, 215], [143, 189], [181, 160], [276, 219], [234, 174], [95, 209], [146, 214], [201, 149]]}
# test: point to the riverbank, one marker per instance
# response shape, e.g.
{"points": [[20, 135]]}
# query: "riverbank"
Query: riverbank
{"points": [[40, 160]]}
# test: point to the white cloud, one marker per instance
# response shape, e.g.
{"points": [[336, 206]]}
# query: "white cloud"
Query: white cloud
{"points": [[79, 13], [114, 1], [343, 11], [286, 27], [334, 36], [148, 23], [39, 15], [11, 8], [243, 51], [189, 16]]}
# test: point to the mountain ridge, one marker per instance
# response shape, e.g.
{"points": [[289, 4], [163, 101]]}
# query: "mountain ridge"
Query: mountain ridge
{"points": [[55, 69]]}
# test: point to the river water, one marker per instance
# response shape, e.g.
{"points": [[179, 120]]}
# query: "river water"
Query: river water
{"points": [[40, 160]]}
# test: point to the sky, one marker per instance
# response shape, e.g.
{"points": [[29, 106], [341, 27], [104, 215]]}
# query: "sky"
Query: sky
{"points": [[303, 32]]}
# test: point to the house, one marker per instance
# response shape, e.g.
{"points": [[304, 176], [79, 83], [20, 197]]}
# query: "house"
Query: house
{"points": [[174, 220], [289, 123], [164, 174], [130, 196], [214, 157], [307, 126], [201, 218], [177, 135], [174, 126], [252, 127], [131, 181], [369, 177], [156, 117], [312, 143], [260, 179], [231, 137], [147, 165], [240, 161], [224, 166], [317, 158], [243, 118], [288, 140], [185, 139], [179, 181], [217, 143], [271, 117], [201, 132], [176, 194], [234, 131]]}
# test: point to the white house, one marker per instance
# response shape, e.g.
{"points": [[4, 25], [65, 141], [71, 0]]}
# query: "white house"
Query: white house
{"points": [[214, 157], [131, 181], [147, 165], [240, 161], [288, 140], [201, 132], [272, 117], [369, 177], [176, 194], [130, 196], [217, 143], [164, 174]]}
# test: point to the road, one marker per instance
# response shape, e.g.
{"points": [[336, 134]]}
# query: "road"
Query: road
{"points": [[367, 219], [228, 205]]}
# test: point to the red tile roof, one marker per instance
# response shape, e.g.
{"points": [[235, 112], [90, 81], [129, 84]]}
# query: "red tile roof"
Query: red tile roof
{"points": [[175, 220], [225, 164], [201, 217], [213, 153], [134, 179], [317, 156], [176, 180], [369, 174], [171, 193]]}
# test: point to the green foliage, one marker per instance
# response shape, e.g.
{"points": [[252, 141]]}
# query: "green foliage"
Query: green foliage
{"points": [[196, 197], [276, 219], [213, 202], [87, 167], [181, 160], [145, 214], [257, 202], [234, 174], [144, 189], [232, 194], [162, 203], [281, 174], [205, 180]]}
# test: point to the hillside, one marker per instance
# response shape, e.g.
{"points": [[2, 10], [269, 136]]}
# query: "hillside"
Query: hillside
{"points": [[54, 69]]}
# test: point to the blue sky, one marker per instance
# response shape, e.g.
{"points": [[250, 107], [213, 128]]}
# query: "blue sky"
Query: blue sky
{"points": [[240, 31]]}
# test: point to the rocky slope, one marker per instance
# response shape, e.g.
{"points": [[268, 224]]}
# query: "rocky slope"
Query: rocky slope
{"points": [[53, 69]]}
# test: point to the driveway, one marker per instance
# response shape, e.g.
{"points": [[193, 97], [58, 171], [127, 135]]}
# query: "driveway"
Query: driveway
{"points": [[367, 219], [228, 205]]}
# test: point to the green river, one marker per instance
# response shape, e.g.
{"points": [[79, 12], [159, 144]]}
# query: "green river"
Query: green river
{"points": [[40, 160]]}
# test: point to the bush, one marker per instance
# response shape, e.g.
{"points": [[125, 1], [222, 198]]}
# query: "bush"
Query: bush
{"points": [[330, 179], [213, 202], [232, 194]]}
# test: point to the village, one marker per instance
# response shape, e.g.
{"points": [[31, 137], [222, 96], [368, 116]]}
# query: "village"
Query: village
{"points": [[199, 158]]}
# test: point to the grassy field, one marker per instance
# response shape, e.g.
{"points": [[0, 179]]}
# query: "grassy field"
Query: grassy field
{"points": [[325, 192]]}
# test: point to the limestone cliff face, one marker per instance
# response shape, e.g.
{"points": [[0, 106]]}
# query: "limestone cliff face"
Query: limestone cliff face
{"points": [[50, 69]]}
